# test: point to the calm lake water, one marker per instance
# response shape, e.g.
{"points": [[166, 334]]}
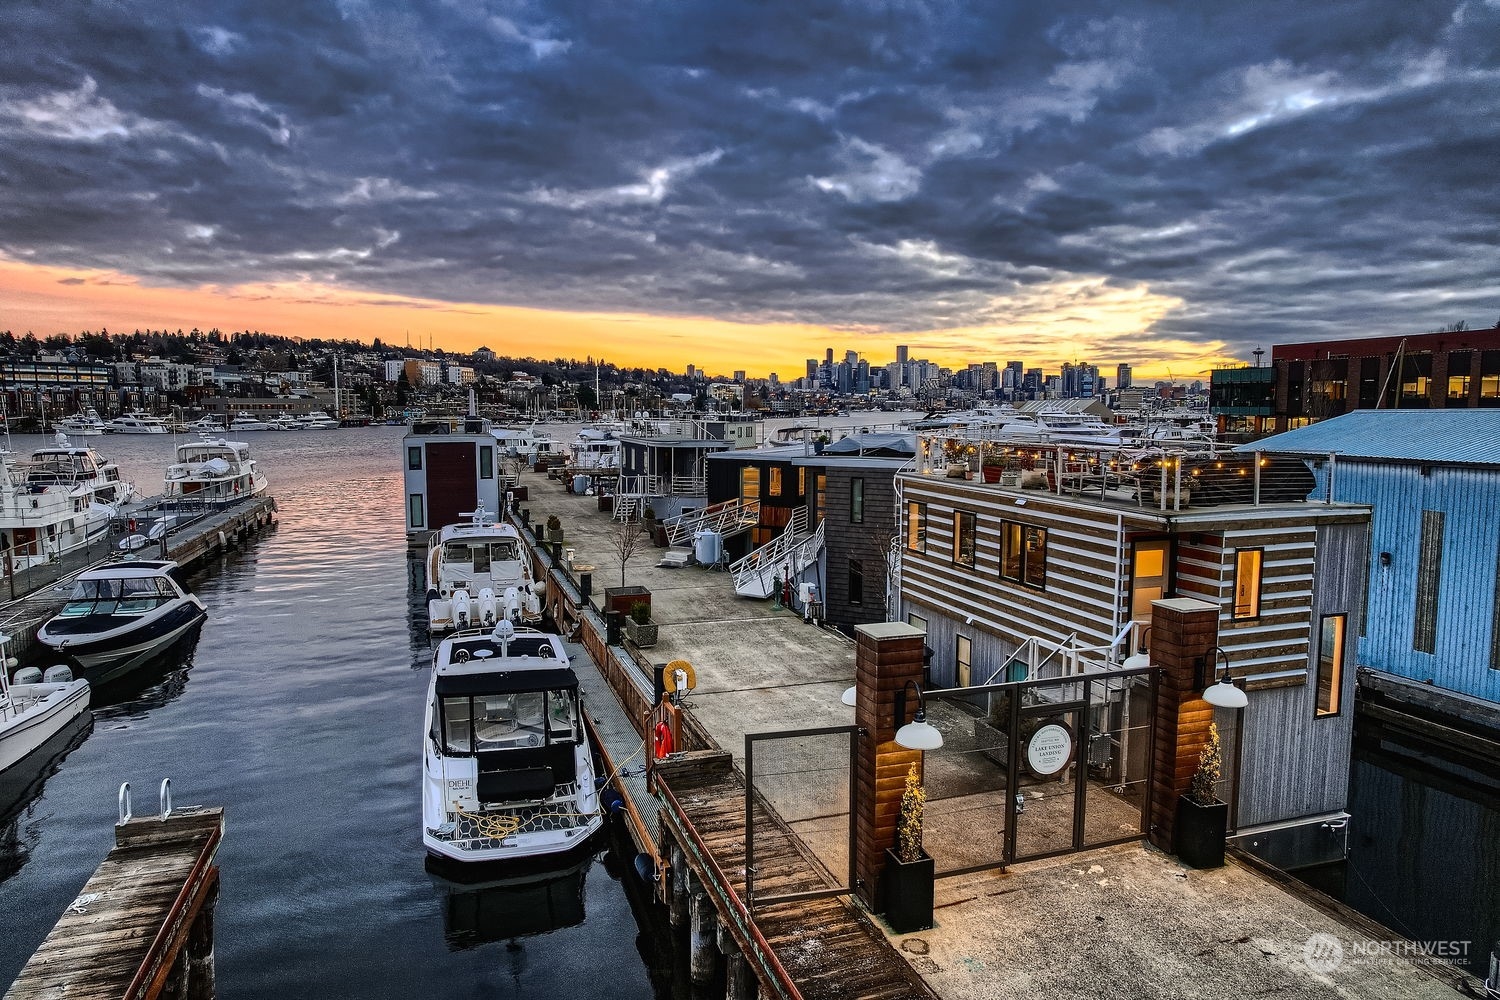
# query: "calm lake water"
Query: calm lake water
{"points": [[300, 714]]}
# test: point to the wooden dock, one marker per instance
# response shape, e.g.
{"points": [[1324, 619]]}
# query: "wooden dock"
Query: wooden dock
{"points": [[819, 949], [143, 925]]}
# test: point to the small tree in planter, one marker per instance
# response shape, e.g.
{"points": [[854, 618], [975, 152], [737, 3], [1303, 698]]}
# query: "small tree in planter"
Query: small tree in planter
{"points": [[554, 528], [626, 537], [1201, 818], [908, 868], [640, 627]]}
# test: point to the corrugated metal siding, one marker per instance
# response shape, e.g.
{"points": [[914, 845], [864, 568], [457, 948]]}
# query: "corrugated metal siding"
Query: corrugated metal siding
{"points": [[1465, 619], [1444, 435]]}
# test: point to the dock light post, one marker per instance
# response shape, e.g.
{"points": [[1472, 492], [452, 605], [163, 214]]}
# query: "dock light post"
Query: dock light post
{"points": [[918, 734], [1223, 693]]}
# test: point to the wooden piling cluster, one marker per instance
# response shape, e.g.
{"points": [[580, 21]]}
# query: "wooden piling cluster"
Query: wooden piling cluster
{"points": [[142, 927]]}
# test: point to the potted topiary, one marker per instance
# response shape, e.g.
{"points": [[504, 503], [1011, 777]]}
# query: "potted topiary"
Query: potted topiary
{"points": [[640, 627], [908, 878], [1201, 818], [554, 528]]}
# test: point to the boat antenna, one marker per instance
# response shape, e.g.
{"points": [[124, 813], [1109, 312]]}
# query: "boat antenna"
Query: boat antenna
{"points": [[505, 629]]}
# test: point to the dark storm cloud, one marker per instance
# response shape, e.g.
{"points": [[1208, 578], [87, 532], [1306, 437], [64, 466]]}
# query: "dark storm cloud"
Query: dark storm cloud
{"points": [[1284, 170]]}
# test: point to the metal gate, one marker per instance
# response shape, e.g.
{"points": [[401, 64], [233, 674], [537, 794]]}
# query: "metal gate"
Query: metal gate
{"points": [[799, 782]]}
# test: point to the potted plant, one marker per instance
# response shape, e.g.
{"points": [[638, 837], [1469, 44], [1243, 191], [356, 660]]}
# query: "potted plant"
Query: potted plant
{"points": [[1201, 818], [819, 443], [554, 528], [640, 627], [908, 878]]}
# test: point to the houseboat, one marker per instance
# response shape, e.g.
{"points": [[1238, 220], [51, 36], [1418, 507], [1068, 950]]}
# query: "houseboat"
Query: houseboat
{"points": [[450, 470], [507, 768]]}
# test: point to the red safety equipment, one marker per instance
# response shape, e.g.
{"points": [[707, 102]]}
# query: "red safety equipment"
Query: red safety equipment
{"points": [[663, 740]]}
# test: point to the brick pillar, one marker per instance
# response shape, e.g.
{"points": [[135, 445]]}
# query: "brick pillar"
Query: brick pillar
{"points": [[888, 654], [1183, 631]]}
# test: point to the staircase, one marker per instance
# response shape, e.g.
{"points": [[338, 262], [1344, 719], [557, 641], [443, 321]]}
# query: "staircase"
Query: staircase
{"points": [[727, 518], [788, 554]]}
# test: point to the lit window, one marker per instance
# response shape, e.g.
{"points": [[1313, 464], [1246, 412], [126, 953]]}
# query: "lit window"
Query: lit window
{"points": [[1247, 564], [750, 483], [963, 657], [963, 537], [1023, 554], [774, 485], [916, 526], [1458, 387], [1330, 664]]}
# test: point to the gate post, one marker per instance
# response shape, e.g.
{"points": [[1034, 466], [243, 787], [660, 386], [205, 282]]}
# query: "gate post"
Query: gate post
{"points": [[887, 656], [1184, 631]]}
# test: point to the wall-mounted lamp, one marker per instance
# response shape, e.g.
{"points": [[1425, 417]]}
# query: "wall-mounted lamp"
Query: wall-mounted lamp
{"points": [[1142, 655], [918, 734], [1223, 693], [1385, 558]]}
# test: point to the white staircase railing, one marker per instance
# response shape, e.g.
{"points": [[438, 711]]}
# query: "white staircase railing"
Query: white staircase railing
{"points": [[791, 552], [727, 518]]}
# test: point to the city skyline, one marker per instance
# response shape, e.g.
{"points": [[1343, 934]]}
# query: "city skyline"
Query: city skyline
{"points": [[1159, 186]]}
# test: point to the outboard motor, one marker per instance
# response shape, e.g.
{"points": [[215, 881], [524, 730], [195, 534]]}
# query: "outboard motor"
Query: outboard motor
{"points": [[512, 603], [28, 675], [462, 612], [487, 609], [59, 673]]}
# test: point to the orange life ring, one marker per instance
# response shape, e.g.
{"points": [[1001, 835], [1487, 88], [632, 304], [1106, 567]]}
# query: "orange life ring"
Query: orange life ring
{"points": [[663, 740]]}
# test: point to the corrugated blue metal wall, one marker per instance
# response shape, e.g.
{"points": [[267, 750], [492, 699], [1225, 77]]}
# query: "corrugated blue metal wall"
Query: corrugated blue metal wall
{"points": [[1470, 501]]}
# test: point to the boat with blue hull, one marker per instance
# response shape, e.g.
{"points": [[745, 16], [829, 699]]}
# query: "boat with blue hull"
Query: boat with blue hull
{"points": [[118, 617]]}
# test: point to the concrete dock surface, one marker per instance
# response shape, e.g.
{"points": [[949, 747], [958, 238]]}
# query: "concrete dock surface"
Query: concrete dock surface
{"points": [[1108, 923]]}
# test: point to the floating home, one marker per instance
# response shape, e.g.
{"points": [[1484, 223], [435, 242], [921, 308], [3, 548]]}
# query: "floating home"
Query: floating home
{"points": [[1007, 551], [450, 470], [1432, 479]]}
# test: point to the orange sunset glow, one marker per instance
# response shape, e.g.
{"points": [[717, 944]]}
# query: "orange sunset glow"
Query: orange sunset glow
{"points": [[48, 300]]}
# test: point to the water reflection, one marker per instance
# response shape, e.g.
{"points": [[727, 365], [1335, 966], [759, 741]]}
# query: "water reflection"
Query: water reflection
{"points": [[504, 902], [154, 684], [21, 785]]}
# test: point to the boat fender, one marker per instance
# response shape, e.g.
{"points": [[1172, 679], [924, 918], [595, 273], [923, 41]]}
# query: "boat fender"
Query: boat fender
{"points": [[432, 594], [59, 673], [223, 542], [663, 741], [611, 801], [28, 675], [645, 869]]}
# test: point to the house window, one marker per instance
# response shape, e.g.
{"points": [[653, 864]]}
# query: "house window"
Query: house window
{"points": [[414, 456], [963, 537], [856, 501], [414, 510], [856, 582], [917, 621], [1458, 387], [750, 483], [486, 463], [821, 485], [774, 486], [963, 658], [916, 526], [1247, 567], [802, 481], [1023, 554], [1429, 578], [1330, 664]]}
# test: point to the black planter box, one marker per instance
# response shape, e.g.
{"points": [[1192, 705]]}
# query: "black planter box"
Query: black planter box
{"points": [[907, 890], [1199, 836]]}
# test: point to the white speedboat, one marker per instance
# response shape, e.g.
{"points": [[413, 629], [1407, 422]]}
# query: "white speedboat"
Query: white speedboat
{"points": [[245, 422], [85, 424], [135, 422], [476, 575], [318, 420], [214, 470], [119, 616], [32, 711], [66, 466], [507, 770]]}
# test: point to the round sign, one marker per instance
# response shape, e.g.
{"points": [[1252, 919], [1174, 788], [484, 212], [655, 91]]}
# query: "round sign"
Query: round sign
{"points": [[1049, 750]]}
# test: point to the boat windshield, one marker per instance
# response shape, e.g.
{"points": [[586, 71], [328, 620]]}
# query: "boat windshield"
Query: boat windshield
{"points": [[508, 721], [481, 554], [133, 596]]}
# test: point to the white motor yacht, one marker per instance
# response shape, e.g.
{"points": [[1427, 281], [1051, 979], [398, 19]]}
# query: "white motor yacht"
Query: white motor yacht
{"points": [[525, 443], [65, 466], [476, 575], [84, 424], [207, 425], [34, 709], [595, 448], [245, 422], [44, 520], [285, 422], [118, 616], [135, 422], [507, 770], [318, 420], [214, 470]]}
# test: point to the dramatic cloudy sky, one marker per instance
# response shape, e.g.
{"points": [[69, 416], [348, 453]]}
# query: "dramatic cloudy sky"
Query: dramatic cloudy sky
{"points": [[738, 184]]}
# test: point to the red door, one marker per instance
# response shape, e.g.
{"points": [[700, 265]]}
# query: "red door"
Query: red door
{"points": [[452, 482]]}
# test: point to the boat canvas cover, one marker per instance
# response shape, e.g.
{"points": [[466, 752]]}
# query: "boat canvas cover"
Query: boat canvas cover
{"points": [[216, 467], [491, 681]]}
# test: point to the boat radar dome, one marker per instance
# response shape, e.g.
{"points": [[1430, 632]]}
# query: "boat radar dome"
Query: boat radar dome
{"points": [[505, 629]]}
